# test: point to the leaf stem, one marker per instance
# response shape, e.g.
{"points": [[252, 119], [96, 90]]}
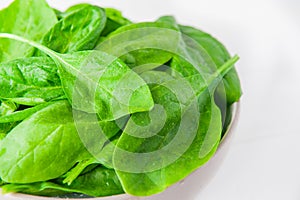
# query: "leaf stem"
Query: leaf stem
{"points": [[217, 77], [32, 43], [226, 67]]}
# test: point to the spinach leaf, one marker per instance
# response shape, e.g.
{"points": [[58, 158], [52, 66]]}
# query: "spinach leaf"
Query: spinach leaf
{"points": [[2, 132], [142, 46], [103, 157], [168, 20], [1, 182], [26, 101], [116, 16], [76, 31], [31, 19], [41, 144], [35, 144], [97, 183], [77, 170], [6, 128], [22, 114], [92, 104], [114, 21], [59, 14], [93, 81], [96, 82], [30, 81], [219, 55], [148, 162], [6, 108], [216, 51]]}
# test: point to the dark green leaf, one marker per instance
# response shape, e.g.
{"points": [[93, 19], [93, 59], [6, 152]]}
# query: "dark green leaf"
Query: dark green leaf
{"points": [[114, 21], [6, 128], [151, 157], [59, 14], [1, 182], [143, 165], [219, 55]]}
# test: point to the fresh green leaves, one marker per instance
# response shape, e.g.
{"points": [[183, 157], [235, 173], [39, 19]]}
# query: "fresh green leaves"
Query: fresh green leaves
{"points": [[219, 55], [96, 82], [97, 183], [34, 79], [44, 141], [94, 104], [142, 46], [22, 114], [77, 31], [40, 145], [6, 108], [30, 19], [184, 137], [114, 21], [93, 82]]}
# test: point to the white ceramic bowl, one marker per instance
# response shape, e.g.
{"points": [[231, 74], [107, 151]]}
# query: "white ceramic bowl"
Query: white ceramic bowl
{"points": [[186, 189]]}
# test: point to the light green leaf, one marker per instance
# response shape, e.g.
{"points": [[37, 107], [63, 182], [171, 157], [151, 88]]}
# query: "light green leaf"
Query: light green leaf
{"points": [[22, 114], [30, 19], [96, 82], [142, 46], [30, 81], [148, 162], [41, 144], [6, 108], [77, 31]]}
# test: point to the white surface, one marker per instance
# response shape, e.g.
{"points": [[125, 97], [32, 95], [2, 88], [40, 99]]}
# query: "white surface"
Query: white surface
{"points": [[263, 162]]}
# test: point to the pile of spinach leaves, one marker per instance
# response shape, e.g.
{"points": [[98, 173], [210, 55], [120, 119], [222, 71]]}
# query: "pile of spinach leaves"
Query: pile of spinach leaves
{"points": [[89, 100]]}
